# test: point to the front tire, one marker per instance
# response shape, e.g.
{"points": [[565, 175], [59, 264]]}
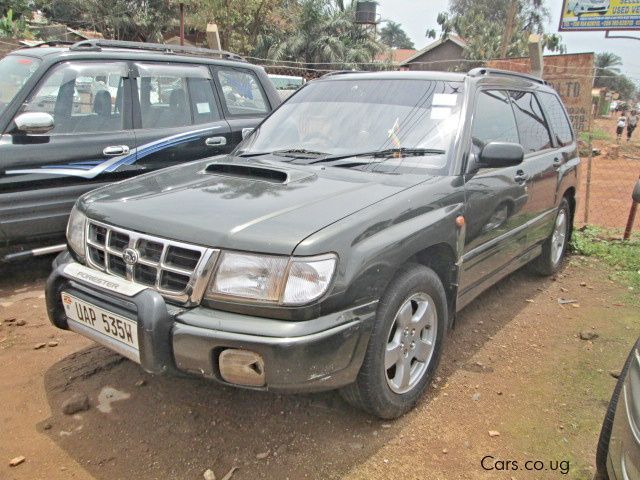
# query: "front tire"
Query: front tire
{"points": [[405, 345], [554, 248]]}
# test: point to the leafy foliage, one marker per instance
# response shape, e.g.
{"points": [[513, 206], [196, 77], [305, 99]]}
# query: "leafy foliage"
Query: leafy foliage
{"points": [[242, 23], [393, 36], [119, 19], [483, 25], [12, 27], [21, 9], [608, 75], [325, 33]]}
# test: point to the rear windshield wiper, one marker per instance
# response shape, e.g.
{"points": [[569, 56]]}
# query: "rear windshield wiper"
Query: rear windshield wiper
{"points": [[398, 152]]}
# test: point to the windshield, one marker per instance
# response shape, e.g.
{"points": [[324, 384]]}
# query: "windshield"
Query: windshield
{"points": [[341, 117], [15, 70]]}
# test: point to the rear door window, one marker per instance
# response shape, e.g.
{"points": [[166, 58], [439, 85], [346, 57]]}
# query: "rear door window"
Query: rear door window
{"points": [[532, 126], [175, 96], [82, 97], [241, 92], [493, 120], [557, 118]]}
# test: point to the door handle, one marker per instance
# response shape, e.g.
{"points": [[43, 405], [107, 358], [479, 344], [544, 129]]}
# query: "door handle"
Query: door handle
{"points": [[521, 177], [216, 141], [115, 150]]}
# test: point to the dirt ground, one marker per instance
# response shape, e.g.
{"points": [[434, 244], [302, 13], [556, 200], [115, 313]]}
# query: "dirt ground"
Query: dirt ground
{"points": [[515, 364], [612, 179]]}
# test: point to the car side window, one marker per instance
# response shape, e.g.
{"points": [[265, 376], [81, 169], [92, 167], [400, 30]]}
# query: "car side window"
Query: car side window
{"points": [[241, 91], [557, 118], [175, 96], [532, 126], [493, 120], [82, 97]]}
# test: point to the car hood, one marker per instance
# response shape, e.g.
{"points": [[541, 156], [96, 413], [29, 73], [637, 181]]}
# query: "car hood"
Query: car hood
{"points": [[244, 204]]}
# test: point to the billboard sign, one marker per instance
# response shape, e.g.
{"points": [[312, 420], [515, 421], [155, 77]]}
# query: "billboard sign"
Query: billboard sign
{"points": [[589, 15]]}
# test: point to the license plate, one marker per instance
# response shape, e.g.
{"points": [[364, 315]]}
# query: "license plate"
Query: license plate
{"points": [[107, 323]]}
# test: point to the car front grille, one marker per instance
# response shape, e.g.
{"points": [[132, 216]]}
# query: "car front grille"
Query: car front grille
{"points": [[178, 271]]}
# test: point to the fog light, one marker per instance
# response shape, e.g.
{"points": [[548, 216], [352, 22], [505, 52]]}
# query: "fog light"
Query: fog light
{"points": [[242, 367]]}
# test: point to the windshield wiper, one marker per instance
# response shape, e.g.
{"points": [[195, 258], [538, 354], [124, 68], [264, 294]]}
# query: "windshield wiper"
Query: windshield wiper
{"points": [[290, 152], [295, 152], [399, 152]]}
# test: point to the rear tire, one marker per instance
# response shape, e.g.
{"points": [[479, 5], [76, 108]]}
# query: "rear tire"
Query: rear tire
{"points": [[554, 247], [405, 345], [605, 433]]}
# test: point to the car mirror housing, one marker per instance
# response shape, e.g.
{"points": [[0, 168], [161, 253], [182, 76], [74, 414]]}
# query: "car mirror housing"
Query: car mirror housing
{"points": [[500, 154], [34, 123]]}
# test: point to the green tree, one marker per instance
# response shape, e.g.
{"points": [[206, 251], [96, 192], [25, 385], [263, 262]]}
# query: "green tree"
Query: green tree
{"points": [[13, 28], [119, 19], [497, 28], [608, 76], [20, 9], [241, 23], [608, 63], [393, 36], [325, 33]]}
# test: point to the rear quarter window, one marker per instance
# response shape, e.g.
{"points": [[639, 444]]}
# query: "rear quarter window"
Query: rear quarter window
{"points": [[561, 128]]}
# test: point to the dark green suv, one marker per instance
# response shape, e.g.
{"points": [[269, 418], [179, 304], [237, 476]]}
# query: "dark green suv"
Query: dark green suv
{"points": [[77, 117], [333, 247]]}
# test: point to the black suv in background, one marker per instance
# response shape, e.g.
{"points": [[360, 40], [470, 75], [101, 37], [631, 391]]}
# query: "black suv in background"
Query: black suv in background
{"points": [[73, 118], [334, 246]]}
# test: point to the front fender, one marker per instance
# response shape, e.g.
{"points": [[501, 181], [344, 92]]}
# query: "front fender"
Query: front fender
{"points": [[374, 243]]}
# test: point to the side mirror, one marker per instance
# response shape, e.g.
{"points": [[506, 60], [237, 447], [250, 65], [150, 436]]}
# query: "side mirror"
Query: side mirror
{"points": [[33, 123], [246, 132], [500, 154]]}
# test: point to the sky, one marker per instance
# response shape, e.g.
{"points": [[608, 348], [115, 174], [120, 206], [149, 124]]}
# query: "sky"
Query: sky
{"points": [[417, 16]]}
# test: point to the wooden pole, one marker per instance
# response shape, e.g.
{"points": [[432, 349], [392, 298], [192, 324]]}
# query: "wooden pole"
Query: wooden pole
{"points": [[535, 52], [181, 23]]}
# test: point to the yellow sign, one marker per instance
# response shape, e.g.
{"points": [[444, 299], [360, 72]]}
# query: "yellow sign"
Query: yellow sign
{"points": [[586, 15]]}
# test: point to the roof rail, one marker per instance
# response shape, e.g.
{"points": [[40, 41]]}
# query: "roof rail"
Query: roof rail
{"points": [[96, 45], [343, 72], [476, 72]]}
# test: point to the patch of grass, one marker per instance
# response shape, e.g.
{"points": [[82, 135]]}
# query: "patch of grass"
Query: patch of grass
{"points": [[623, 256], [597, 134]]}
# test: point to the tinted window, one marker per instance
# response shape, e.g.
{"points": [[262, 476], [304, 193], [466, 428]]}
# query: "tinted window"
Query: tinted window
{"points": [[82, 97], [532, 126], [175, 96], [203, 102], [242, 93], [493, 120], [557, 118]]}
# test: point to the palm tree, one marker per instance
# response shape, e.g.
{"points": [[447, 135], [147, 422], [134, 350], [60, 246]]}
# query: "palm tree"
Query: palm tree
{"points": [[608, 63], [393, 36], [325, 34]]}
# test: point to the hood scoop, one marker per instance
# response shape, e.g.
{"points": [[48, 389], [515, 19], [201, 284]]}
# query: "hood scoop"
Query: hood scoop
{"points": [[257, 172], [251, 172]]}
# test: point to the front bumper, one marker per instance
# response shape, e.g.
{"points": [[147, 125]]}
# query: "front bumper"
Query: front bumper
{"points": [[320, 354]]}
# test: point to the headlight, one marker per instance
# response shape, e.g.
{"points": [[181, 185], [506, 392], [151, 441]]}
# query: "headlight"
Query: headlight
{"points": [[75, 231], [271, 279]]}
